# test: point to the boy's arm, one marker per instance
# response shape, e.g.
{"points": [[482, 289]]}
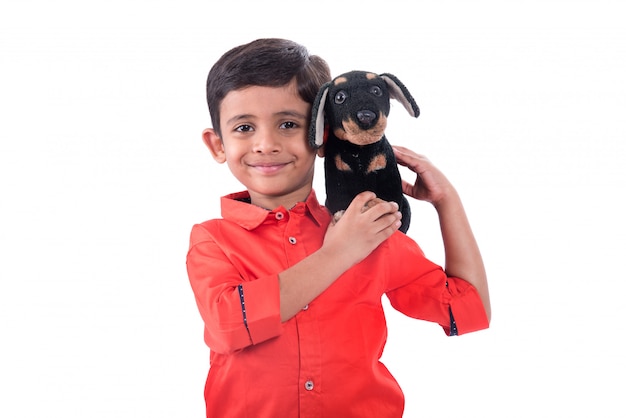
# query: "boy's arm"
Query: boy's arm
{"points": [[463, 258], [306, 280]]}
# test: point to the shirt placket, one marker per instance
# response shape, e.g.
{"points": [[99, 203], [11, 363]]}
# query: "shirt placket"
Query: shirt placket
{"points": [[309, 344]]}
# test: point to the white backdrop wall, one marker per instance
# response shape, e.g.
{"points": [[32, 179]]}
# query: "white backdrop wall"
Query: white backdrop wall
{"points": [[103, 173]]}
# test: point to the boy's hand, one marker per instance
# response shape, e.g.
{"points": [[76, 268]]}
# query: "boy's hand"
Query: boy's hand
{"points": [[368, 204], [431, 185], [364, 225]]}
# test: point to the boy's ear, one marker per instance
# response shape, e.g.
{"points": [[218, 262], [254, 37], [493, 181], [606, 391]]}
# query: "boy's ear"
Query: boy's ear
{"points": [[215, 144]]}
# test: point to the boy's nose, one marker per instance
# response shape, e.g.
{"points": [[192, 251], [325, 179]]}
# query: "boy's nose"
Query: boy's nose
{"points": [[265, 143]]}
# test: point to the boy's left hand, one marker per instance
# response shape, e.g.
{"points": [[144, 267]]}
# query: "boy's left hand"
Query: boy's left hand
{"points": [[430, 185]]}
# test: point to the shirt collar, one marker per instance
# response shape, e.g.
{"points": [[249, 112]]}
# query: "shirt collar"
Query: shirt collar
{"points": [[235, 208]]}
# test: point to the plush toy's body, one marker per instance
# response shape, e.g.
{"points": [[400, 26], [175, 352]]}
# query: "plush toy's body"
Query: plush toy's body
{"points": [[349, 117]]}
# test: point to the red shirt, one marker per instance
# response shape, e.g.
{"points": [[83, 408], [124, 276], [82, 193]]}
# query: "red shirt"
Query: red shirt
{"points": [[325, 360]]}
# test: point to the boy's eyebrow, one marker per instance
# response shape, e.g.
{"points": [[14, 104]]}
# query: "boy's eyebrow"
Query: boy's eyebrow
{"points": [[238, 117], [291, 113]]}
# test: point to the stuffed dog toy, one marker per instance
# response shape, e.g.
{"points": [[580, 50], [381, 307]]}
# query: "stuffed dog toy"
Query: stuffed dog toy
{"points": [[349, 118]]}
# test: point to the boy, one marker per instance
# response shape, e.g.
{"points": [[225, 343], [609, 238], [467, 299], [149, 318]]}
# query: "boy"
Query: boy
{"points": [[292, 304]]}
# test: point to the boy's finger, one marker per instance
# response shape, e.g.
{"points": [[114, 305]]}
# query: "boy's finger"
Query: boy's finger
{"points": [[371, 203], [383, 209], [409, 159], [362, 198], [389, 208]]}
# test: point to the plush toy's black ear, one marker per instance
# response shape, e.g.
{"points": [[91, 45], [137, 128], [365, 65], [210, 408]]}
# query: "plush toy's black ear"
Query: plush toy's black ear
{"points": [[316, 126], [398, 91]]}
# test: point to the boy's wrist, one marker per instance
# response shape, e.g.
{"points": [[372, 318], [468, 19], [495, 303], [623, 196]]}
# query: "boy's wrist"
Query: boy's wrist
{"points": [[332, 262], [449, 199]]}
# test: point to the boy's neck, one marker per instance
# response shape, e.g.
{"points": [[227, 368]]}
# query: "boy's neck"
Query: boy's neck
{"points": [[287, 201]]}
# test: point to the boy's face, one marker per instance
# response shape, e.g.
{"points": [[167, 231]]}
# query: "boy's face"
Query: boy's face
{"points": [[264, 142]]}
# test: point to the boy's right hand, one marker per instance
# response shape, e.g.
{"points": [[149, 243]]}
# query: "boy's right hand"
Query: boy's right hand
{"points": [[346, 243], [364, 225]]}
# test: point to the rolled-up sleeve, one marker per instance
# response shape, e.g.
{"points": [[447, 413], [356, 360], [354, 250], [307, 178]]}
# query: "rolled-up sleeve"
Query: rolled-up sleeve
{"points": [[466, 307], [237, 311], [421, 289]]}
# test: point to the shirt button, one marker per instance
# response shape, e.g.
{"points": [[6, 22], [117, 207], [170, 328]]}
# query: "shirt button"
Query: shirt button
{"points": [[309, 385], [292, 240], [279, 215], [305, 307]]}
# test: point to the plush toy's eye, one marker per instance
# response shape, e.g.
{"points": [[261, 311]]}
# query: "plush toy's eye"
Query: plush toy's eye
{"points": [[340, 97], [376, 91]]}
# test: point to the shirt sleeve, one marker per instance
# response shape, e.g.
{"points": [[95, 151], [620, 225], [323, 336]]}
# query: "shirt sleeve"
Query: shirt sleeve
{"points": [[236, 313], [421, 289]]}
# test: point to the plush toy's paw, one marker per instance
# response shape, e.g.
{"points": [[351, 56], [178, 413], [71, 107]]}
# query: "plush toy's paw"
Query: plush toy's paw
{"points": [[337, 215]]}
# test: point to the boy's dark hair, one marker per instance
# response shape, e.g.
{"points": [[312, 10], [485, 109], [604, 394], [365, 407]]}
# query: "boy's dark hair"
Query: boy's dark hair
{"points": [[269, 62]]}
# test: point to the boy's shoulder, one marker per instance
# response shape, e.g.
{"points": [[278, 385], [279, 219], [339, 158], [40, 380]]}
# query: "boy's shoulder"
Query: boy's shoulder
{"points": [[203, 231]]}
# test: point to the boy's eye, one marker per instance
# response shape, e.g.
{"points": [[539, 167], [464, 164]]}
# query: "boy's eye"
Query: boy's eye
{"points": [[243, 128], [288, 125]]}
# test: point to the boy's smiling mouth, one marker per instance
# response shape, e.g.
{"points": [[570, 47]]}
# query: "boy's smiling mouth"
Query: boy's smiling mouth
{"points": [[268, 167]]}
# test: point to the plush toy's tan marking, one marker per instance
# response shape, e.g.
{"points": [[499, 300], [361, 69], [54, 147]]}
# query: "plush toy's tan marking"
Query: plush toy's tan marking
{"points": [[351, 132], [371, 76], [341, 164], [340, 80], [378, 163]]}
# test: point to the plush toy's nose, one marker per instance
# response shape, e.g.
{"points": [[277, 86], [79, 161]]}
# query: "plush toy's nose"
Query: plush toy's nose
{"points": [[366, 118]]}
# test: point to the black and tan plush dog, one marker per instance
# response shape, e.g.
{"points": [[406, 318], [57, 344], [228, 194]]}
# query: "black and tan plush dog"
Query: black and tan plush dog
{"points": [[349, 118]]}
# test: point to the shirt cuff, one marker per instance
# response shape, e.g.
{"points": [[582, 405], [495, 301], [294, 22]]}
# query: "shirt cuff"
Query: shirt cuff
{"points": [[466, 307], [261, 300]]}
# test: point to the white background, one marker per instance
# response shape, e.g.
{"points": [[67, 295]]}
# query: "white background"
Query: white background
{"points": [[103, 173]]}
